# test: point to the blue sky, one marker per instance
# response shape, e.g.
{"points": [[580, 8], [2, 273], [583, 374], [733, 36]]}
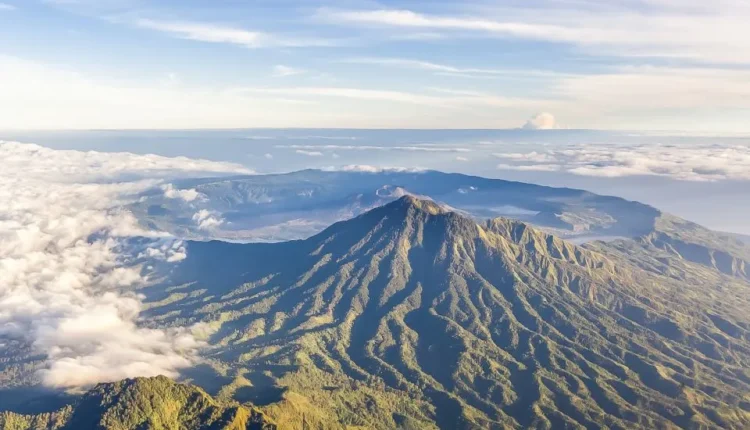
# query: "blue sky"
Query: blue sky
{"points": [[616, 64]]}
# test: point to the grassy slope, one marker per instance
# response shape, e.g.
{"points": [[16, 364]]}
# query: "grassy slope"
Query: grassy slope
{"points": [[143, 403]]}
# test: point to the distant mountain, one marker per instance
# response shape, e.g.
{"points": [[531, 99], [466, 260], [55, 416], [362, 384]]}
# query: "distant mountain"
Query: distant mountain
{"points": [[143, 403], [412, 316], [268, 208]]}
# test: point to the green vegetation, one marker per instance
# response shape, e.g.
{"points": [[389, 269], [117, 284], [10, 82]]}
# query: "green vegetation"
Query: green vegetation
{"points": [[412, 317], [143, 403]]}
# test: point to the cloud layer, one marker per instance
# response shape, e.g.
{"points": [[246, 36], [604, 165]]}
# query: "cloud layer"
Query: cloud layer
{"points": [[306, 149], [68, 269], [697, 162]]}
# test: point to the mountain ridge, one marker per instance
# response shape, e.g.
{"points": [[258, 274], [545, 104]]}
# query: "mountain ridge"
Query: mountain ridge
{"points": [[415, 316], [493, 324], [299, 204]]}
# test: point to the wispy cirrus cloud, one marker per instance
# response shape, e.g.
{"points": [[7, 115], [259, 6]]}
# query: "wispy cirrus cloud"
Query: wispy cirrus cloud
{"points": [[657, 28], [309, 153], [219, 33], [7, 7], [441, 98], [409, 63], [282, 71], [352, 93]]}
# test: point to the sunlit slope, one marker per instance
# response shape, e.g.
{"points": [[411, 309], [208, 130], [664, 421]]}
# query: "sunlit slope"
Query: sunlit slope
{"points": [[143, 403], [410, 316]]}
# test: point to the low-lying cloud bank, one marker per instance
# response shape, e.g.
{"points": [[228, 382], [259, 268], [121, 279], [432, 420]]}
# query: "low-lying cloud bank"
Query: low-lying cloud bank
{"points": [[303, 149], [695, 162], [68, 269]]}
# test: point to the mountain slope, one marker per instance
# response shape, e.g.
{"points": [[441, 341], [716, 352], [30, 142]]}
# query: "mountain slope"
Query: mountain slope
{"points": [[264, 208], [409, 316], [143, 403]]}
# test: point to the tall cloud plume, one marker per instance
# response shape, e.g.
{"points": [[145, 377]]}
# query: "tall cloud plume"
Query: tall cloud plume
{"points": [[68, 272], [541, 121]]}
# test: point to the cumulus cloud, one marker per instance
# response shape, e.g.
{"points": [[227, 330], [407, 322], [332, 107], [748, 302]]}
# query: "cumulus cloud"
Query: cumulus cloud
{"points": [[169, 251], [541, 121], [698, 162], [187, 195], [207, 220], [69, 269]]}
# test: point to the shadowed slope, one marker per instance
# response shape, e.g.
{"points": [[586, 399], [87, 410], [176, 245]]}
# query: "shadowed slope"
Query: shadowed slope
{"points": [[409, 316]]}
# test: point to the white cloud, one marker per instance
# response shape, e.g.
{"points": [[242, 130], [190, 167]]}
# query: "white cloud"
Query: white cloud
{"points": [[530, 168], [281, 71], [170, 251], [48, 97], [187, 195], [534, 156], [635, 89], [695, 162], [462, 159], [309, 153], [207, 220], [7, 7], [68, 271], [217, 33], [353, 93], [366, 168], [438, 68], [632, 98], [541, 121], [54, 97], [661, 28], [301, 149], [67, 165], [268, 156]]}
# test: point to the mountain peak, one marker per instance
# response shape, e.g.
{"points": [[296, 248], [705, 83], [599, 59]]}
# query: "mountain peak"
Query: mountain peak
{"points": [[411, 201], [421, 317]]}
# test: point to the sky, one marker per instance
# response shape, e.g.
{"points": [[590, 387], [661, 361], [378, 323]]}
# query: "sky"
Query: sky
{"points": [[535, 64]]}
